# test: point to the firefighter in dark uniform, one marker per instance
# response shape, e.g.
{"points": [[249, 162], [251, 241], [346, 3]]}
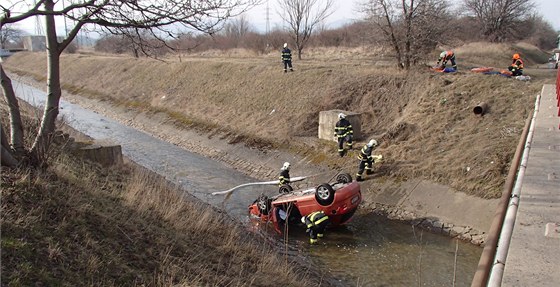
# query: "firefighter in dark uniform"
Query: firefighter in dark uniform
{"points": [[366, 160], [444, 57], [343, 132], [287, 58], [315, 223], [516, 67], [284, 177]]}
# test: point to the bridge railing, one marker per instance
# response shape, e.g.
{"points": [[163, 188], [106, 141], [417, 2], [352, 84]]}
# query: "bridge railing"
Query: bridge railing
{"points": [[558, 93]]}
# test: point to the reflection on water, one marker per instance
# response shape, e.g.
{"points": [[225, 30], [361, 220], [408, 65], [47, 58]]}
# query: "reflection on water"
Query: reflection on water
{"points": [[374, 251], [370, 251]]}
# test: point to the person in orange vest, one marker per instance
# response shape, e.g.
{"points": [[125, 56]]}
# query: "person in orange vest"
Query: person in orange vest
{"points": [[516, 67], [444, 57], [316, 222]]}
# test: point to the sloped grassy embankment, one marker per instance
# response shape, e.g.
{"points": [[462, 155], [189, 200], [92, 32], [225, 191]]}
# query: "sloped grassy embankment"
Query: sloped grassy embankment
{"points": [[76, 224], [423, 119]]}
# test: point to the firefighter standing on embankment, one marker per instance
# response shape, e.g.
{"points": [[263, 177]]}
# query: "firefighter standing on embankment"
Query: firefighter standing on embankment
{"points": [[343, 132], [287, 58], [366, 159]]}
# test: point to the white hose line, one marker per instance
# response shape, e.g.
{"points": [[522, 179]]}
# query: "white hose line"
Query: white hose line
{"points": [[274, 182], [497, 272]]}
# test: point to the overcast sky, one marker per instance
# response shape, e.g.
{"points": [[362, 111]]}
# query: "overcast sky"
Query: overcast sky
{"points": [[345, 11]]}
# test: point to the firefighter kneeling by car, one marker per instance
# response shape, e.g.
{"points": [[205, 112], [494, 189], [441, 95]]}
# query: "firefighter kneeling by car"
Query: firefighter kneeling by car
{"points": [[316, 223]]}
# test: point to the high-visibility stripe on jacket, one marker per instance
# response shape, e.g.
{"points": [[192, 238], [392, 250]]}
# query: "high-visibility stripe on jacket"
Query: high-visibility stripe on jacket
{"points": [[365, 153], [343, 128], [315, 218], [286, 54], [284, 176]]}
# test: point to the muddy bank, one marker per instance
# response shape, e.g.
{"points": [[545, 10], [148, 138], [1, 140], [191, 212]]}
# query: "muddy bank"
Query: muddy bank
{"points": [[417, 202]]}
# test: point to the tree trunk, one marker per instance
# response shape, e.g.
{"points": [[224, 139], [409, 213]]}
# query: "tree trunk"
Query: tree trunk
{"points": [[395, 43], [16, 125], [408, 37], [50, 113], [6, 158]]}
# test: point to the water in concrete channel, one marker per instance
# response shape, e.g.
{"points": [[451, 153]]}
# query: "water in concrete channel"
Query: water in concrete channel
{"points": [[370, 251]]}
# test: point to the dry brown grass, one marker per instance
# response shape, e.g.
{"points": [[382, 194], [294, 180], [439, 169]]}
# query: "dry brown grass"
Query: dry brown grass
{"points": [[424, 119], [76, 224]]}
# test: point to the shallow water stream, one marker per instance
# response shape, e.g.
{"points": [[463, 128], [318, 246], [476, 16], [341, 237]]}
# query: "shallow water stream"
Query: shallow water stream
{"points": [[369, 251]]}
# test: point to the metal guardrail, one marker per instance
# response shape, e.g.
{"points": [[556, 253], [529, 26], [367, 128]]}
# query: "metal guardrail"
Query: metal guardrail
{"points": [[487, 257], [485, 263], [558, 92]]}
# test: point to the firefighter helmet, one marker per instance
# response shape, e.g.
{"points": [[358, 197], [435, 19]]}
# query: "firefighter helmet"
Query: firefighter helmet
{"points": [[516, 56], [303, 219], [341, 116], [372, 143], [442, 54], [286, 166], [285, 45]]}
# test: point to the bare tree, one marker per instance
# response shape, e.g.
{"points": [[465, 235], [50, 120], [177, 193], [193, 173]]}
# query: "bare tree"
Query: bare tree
{"points": [[539, 32], [410, 27], [236, 29], [499, 19], [161, 20], [9, 33], [302, 17]]}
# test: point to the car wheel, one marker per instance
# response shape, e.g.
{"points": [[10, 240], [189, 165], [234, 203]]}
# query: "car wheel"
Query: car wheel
{"points": [[324, 194], [344, 178], [264, 204], [286, 188]]}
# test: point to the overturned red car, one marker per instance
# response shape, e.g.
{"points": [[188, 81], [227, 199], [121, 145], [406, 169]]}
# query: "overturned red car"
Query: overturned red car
{"points": [[339, 201]]}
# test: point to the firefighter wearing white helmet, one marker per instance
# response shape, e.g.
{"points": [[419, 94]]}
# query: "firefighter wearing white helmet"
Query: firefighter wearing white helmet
{"points": [[284, 177], [366, 159], [287, 58], [343, 132]]}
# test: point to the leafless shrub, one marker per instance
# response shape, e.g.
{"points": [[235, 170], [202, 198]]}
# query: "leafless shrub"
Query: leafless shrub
{"points": [[303, 17], [540, 33], [350, 35], [411, 28], [499, 20]]}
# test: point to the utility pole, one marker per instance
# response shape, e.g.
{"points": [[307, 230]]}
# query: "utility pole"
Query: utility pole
{"points": [[38, 25], [267, 29]]}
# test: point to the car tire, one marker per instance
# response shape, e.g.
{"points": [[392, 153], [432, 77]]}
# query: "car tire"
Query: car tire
{"points": [[344, 178], [285, 188], [324, 194], [264, 204]]}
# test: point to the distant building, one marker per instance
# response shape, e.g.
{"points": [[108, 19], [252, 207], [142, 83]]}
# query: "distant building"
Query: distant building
{"points": [[4, 54], [35, 43], [557, 53]]}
